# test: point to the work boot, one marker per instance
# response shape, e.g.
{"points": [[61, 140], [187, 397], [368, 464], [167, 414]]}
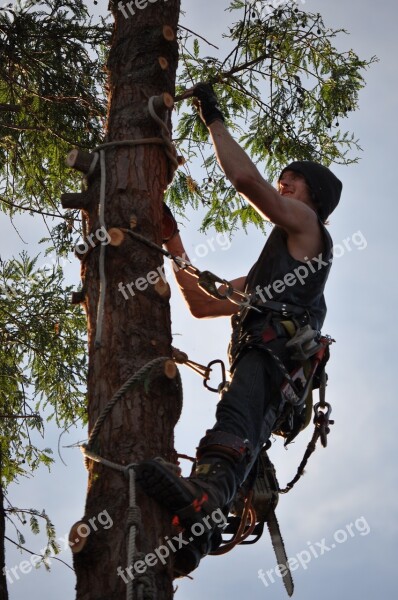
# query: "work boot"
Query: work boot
{"points": [[222, 460]]}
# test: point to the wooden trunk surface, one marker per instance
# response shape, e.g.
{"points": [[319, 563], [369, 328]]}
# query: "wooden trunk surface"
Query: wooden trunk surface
{"points": [[137, 329], [3, 580]]}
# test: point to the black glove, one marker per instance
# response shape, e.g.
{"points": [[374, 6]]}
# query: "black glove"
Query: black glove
{"points": [[207, 103], [169, 224]]}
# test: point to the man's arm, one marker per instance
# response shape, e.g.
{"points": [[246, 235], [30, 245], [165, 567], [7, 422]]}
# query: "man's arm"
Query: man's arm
{"points": [[247, 180], [294, 215], [200, 304], [298, 219]]}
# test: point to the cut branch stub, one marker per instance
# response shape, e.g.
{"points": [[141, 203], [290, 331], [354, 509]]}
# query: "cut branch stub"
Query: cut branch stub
{"points": [[116, 236], [163, 101], [170, 369], [78, 536], [163, 62], [71, 200], [81, 161], [78, 297], [168, 33]]}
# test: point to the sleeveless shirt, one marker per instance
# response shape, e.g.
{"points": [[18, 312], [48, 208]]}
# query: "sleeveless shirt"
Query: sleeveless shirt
{"points": [[278, 276]]}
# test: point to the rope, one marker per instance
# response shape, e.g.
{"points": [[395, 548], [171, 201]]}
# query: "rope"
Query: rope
{"points": [[99, 154], [180, 262], [182, 358], [144, 582], [300, 471], [206, 279], [102, 292], [133, 520], [246, 527], [321, 430], [284, 371], [169, 147], [131, 380]]}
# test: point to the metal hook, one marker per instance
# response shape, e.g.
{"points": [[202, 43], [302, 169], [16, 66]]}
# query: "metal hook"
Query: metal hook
{"points": [[207, 376], [207, 281]]}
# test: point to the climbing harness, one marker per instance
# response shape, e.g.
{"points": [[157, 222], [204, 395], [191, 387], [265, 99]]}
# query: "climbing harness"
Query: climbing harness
{"points": [[255, 503]]}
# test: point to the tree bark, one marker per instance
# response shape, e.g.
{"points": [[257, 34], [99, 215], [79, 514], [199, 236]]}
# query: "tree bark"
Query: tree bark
{"points": [[3, 580], [136, 323]]}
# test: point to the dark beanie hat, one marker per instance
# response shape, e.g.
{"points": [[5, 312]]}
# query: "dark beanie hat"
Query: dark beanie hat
{"points": [[324, 185]]}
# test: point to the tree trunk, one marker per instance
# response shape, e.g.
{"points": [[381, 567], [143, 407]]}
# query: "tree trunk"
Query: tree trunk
{"points": [[136, 324], [3, 580]]}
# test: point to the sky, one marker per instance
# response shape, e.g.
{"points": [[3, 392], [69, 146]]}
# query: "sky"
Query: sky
{"points": [[340, 521]]}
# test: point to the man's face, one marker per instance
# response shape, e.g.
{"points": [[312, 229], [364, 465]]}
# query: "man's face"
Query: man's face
{"points": [[293, 185]]}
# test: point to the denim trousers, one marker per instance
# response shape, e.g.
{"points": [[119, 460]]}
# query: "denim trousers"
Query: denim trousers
{"points": [[252, 401]]}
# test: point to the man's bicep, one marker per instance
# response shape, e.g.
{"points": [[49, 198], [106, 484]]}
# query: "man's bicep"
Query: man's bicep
{"points": [[291, 215]]}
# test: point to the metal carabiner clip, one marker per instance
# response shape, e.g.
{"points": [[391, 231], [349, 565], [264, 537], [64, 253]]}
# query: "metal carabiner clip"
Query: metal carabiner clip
{"points": [[207, 376], [207, 281], [322, 421], [319, 412]]}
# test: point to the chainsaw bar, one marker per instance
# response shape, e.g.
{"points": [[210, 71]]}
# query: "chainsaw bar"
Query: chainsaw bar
{"points": [[280, 552]]}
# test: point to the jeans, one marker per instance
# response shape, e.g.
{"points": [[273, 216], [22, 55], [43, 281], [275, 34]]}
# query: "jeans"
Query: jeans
{"points": [[252, 402]]}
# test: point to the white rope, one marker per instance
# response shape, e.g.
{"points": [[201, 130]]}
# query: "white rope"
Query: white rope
{"points": [[102, 291], [134, 516], [133, 521], [104, 461], [93, 165], [99, 152], [170, 149]]}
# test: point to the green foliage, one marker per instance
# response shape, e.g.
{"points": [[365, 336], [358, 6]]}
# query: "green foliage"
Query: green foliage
{"points": [[283, 87], [51, 99], [52, 547], [42, 362]]}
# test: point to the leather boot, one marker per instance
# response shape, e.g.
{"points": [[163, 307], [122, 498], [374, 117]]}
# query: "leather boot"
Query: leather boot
{"points": [[197, 502]]}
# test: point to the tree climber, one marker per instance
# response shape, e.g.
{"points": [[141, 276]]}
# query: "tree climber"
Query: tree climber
{"points": [[251, 404]]}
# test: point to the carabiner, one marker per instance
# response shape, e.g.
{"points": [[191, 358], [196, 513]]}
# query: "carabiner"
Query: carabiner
{"points": [[207, 376], [207, 281], [318, 410], [322, 421]]}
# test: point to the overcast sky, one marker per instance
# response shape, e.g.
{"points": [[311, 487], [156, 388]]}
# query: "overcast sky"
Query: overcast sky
{"points": [[342, 515]]}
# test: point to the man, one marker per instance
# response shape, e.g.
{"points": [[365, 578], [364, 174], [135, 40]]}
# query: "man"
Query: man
{"points": [[252, 403]]}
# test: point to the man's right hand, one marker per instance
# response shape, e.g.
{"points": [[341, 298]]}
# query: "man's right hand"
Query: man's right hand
{"points": [[207, 103]]}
